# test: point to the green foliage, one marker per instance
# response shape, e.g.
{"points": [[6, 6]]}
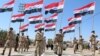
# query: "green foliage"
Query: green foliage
{"points": [[3, 35]]}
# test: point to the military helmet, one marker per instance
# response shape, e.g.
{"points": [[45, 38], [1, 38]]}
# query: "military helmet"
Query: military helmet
{"points": [[11, 28]]}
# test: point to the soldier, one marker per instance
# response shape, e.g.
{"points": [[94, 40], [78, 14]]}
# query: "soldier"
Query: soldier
{"points": [[59, 42], [80, 44], [38, 42], [21, 43], [44, 44], [55, 45], [9, 42], [16, 43], [75, 45], [93, 41], [28, 43]]}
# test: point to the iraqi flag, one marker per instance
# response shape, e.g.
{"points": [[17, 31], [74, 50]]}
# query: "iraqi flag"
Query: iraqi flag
{"points": [[69, 28], [60, 6], [39, 26], [35, 19], [50, 27], [28, 8], [87, 9], [51, 8], [71, 20], [52, 18], [75, 20], [8, 6], [78, 20], [24, 28], [18, 18], [37, 7], [33, 7]]}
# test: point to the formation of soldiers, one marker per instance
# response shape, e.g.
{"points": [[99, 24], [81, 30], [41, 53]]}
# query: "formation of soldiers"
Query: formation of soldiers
{"points": [[78, 44], [22, 43]]}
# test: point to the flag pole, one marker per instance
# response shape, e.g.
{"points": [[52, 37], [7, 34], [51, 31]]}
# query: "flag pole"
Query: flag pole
{"points": [[20, 10], [79, 29]]}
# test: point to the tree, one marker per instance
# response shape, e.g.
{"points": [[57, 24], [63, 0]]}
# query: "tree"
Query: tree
{"points": [[3, 34]]}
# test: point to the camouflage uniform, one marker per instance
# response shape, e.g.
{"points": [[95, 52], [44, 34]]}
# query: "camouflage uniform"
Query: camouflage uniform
{"points": [[9, 42], [55, 45], [21, 43], [75, 45], [80, 43], [39, 44], [60, 43], [93, 42]]}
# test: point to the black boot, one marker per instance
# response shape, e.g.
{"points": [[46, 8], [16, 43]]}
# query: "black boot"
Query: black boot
{"points": [[59, 55], [3, 52]]}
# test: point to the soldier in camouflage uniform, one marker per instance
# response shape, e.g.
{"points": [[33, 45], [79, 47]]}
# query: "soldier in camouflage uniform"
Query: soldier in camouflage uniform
{"points": [[21, 43], [80, 44], [75, 45], [93, 41], [9, 42], [38, 43], [55, 45], [60, 42]]}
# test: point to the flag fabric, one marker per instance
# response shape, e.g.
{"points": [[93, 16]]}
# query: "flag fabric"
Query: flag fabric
{"points": [[24, 28], [87, 9], [74, 20], [35, 19], [50, 27], [52, 18], [18, 18], [71, 20], [39, 26], [51, 8], [33, 7], [69, 28], [60, 6], [8, 6], [78, 19]]}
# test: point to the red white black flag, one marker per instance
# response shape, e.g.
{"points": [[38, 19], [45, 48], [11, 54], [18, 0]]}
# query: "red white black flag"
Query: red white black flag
{"points": [[8, 6], [60, 6], [87, 9], [18, 18], [52, 18], [39, 26], [74, 20], [33, 7], [50, 27], [36, 19], [69, 28], [51, 8], [24, 28]]}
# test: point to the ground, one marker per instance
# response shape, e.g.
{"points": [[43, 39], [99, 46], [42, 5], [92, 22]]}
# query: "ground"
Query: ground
{"points": [[68, 52]]}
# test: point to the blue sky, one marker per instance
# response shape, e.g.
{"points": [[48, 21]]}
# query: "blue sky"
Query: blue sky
{"points": [[70, 5]]}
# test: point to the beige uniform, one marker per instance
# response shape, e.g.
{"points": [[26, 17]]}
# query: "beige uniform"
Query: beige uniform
{"points": [[93, 42], [9, 42], [39, 44], [55, 44], [59, 42], [21, 43], [75, 45], [80, 44]]}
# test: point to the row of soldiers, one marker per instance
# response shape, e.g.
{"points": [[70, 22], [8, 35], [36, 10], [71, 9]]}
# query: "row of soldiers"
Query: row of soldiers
{"points": [[78, 44], [40, 43], [21, 43]]}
